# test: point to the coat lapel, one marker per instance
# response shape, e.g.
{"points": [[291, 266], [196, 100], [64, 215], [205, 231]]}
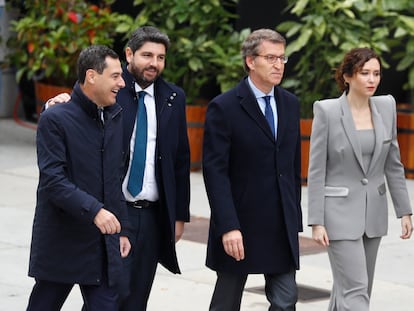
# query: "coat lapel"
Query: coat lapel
{"points": [[350, 131], [379, 133], [281, 113], [164, 102], [249, 103]]}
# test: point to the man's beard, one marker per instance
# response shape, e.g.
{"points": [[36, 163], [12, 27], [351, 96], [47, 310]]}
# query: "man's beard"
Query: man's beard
{"points": [[140, 78]]}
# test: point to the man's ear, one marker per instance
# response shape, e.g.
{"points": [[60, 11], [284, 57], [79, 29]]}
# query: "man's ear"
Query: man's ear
{"points": [[128, 55], [90, 76], [250, 61]]}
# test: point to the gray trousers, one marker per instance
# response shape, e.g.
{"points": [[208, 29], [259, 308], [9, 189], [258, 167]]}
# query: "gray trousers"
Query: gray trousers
{"points": [[353, 266]]}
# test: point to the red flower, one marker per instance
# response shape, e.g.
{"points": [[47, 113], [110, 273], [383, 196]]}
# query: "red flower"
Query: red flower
{"points": [[30, 47], [94, 8], [59, 11], [91, 34], [73, 17]]}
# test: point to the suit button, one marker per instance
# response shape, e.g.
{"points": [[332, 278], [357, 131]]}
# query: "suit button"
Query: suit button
{"points": [[364, 181]]}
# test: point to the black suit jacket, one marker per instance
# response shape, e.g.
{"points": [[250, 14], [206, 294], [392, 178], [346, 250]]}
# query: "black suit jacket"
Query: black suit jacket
{"points": [[172, 156], [253, 181]]}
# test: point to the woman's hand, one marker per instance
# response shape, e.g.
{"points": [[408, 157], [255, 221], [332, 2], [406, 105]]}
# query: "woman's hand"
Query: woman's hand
{"points": [[406, 227], [319, 235]]}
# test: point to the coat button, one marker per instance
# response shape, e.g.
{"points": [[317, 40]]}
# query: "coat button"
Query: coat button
{"points": [[364, 181]]}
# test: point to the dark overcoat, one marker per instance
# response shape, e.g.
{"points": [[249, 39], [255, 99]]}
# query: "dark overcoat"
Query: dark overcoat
{"points": [[253, 181], [172, 156], [80, 166]]}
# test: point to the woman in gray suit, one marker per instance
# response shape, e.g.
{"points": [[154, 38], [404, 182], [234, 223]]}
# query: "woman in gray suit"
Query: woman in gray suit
{"points": [[354, 149]]}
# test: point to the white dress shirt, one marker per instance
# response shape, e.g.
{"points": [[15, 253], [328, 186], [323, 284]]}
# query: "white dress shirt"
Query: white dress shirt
{"points": [[149, 186], [262, 103]]}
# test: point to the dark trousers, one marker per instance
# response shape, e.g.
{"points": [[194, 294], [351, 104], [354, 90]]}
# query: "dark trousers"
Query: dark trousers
{"points": [[50, 296], [281, 291], [141, 263]]}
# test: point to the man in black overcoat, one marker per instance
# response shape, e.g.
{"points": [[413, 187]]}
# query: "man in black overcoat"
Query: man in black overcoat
{"points": [[251, 166], [81, 221]]}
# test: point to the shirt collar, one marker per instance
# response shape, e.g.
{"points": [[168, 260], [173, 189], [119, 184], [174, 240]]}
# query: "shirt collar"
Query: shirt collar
{"points": [[258, 93], [149, 90]]}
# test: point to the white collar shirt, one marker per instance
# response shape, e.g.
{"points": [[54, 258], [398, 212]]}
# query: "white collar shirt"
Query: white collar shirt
{"points": [[149, 186], [261, 101]]}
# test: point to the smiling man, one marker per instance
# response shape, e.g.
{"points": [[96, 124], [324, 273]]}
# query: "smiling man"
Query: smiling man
{"points": [[157, 168], [80, 222], [156, 165], [251, 165]]}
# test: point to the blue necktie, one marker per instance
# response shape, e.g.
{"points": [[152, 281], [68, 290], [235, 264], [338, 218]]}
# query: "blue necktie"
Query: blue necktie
{"points": [[136, 174], [269, 115]]}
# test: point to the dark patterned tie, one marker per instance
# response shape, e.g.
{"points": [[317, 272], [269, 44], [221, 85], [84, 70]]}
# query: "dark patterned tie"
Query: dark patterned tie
{"points": [[269, 115]]}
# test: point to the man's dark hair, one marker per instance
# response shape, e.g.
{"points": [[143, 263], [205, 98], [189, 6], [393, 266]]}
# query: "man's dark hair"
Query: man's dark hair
{"points": [[145, 34], [94, 57]]}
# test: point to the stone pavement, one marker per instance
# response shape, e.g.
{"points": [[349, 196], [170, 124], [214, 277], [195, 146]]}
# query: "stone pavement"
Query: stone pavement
{"points": [[393, 287]]}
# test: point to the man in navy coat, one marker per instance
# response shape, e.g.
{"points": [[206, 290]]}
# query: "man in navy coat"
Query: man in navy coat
{"points": [[157, 213], [251, 165], [80, 223]]}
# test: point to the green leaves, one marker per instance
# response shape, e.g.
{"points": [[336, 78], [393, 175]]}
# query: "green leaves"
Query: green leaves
{"points": [[299, 7], [51, 34], [300, 42], [324, 30], [205, 48]]}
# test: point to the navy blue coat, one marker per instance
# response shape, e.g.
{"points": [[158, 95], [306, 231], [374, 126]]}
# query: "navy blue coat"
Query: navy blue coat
{"points": [[80, 164], [253, 181], [172, 156]]}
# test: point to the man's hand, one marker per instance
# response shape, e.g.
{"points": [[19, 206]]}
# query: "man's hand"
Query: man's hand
{"points": [[60, 98], [233, 244], [107, 222], [125, 246], [179, 230]]}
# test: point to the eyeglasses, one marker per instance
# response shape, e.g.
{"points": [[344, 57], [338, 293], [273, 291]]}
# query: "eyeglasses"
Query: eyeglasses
{"points": [[272, 59]]}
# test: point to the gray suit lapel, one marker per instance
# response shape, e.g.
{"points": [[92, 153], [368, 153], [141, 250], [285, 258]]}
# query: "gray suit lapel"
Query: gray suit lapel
{"points": [[350, 131], [379, 132]]}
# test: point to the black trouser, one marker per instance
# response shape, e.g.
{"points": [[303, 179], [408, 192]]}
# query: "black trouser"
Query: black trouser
{"points": [[281, 291], [50, 296], [141, 264]]}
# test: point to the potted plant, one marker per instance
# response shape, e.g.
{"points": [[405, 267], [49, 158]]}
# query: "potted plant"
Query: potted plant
{"points": [[200, 32], [204, 58], [320, 34], [402, 26], [50, 35]]}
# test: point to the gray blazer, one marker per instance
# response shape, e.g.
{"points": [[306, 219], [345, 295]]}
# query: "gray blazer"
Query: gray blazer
{"points": [[344, 197]]}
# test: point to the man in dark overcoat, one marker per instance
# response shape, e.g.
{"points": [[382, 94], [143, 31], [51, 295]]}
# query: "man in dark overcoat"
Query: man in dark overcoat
{"points": [[79, 229], [251, 165], [158, 212]]}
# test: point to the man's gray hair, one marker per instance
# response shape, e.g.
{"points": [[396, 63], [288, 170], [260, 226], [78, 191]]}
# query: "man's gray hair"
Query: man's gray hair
{"points": [[251, 45]]}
